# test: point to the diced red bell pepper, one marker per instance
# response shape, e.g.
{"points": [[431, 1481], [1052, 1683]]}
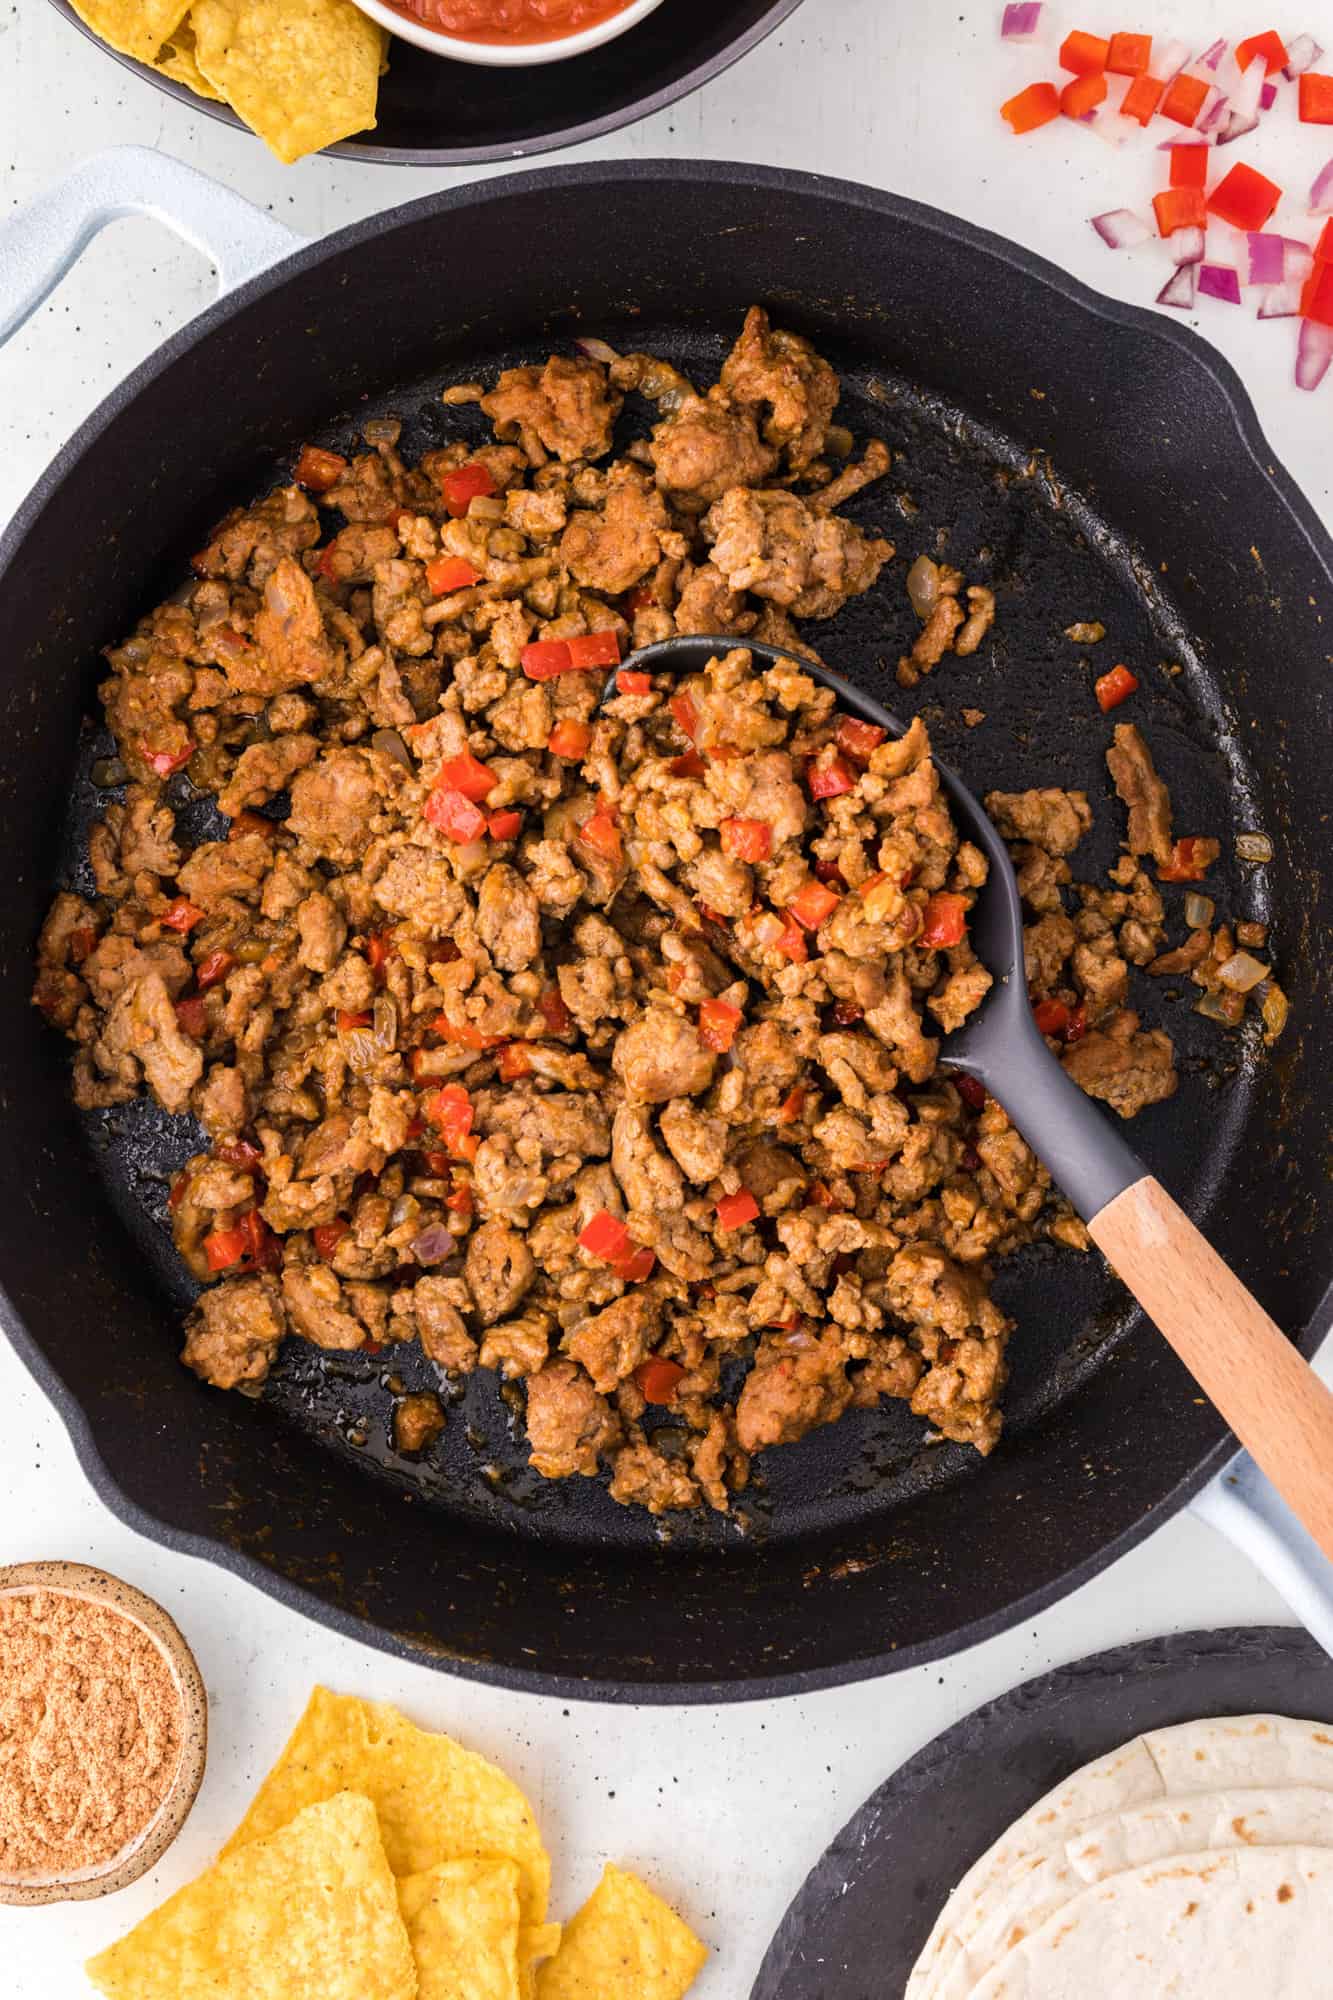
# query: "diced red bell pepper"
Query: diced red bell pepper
{"points": [[859, 738], [1078, 1024], [830, 778], [605, 1236], [1142, 98], [569, 739], [735, 1210], [213, 967], [439, 1166], [460, 1201], [504, 825], [239, 1153], [747, 839], [349, 1023], [177, 1195], [1323, 249], [515, 1061], [248, 822], [81, 942], [225, 1247], [1185, 98], [1189, 861], [971, 1089], [1269, 45], [466, 774], [192, 1016], [451, 1112], [1245, 198], [791, 1107], [790, 941], [465, 484], [718, 1022], [1113, 688], [551, 1007], [1180, 208], [594, 649], [545, 658], [380, 948], [1189, 167], [317, 469], [685, 713], [1084, 53], [448, 573], [263, 1252], [454, 815], [630, 681], [945, 921], [1129, 55], [691, 765], [328, 1235], [813, 904], [1315, 101], [603, 835], [182, 915], [1317, 298], [1032, 108], [658, 1379], [1051, 1016], [1083, 94], [463, 1034], [165, 763], [829, 871]]}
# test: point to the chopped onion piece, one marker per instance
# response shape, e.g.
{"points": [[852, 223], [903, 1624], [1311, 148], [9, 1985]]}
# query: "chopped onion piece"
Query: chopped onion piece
{"points": [[1246, 97], [1187, 246], [1275, 1011], [433, 1245], [1297, 258], [596, 350], [923, 586], [392, 744], [1282, 301], [1240, 973], [1226, 1008], [1171, 59], [1121, 229], [1268, 96], [1267, 258], [1313, 354], [1199, 911], [839, 440], [1019, 23], [1220, 281], [1254, 847], [1302, 54], [1106, 125], [1213, 56], [382, 430], [1237, 127], [1321, 194], [1213, 118], [1179, 288]]}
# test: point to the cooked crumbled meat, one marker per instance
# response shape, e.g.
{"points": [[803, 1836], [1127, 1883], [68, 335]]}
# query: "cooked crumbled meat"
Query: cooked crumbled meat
{"points": [[588, 1045], [1131, 766]]}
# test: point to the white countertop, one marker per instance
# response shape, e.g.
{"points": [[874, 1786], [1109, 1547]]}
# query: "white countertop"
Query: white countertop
{"points": [[724, 1809]]}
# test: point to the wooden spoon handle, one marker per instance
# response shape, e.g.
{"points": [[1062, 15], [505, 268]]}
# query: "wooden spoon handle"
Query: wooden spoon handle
{"points": [[1270, 1396]]}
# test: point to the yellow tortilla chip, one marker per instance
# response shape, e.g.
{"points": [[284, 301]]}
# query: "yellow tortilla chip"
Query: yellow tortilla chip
{"points": [[536, 1942], [313, 1910], [462, 1923], [176, 59], [301, 73], [137, 28], [436, 1801], [624, 1944]]}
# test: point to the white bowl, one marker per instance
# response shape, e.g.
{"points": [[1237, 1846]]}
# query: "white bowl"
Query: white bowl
{"points": [[507, 55]]}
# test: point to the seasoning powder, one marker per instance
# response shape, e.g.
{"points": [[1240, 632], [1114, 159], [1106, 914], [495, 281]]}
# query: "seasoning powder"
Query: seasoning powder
{"points": [[90, 1734]]}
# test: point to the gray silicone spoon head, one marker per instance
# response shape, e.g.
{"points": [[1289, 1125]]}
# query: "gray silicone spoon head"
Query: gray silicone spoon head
{"points": [[1000, 1044]]}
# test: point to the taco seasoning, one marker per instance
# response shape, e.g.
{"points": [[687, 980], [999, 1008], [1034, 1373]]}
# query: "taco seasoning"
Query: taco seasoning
{"points": [[101, 1732]]}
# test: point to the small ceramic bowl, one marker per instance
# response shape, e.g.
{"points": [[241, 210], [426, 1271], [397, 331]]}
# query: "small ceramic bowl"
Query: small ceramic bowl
{"points": [[77, 1580], [507, 55]]}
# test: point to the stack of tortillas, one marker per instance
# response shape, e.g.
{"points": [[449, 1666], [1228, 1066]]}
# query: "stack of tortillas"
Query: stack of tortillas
{"points": [[1196, 1862]]}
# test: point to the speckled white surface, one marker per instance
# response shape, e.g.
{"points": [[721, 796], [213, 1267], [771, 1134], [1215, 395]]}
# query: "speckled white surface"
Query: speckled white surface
{"points": [[724, 1809]]}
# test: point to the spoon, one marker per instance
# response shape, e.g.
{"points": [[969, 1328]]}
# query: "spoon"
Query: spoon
{"points": [[1269, 1395]]}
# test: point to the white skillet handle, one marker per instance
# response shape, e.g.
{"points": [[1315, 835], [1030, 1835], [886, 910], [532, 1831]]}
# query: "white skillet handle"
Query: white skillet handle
{"points": [[46, 238], [1242, 1505]]}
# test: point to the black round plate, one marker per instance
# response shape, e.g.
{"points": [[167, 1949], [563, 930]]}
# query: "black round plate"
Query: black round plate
{"points": [[435, 113], [858, 1925]]}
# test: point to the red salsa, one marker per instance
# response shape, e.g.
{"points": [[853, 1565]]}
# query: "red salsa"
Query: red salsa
{"points": [[510, 21]]}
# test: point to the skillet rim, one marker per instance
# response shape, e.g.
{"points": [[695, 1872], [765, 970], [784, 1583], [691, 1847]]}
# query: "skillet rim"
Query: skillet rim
{"points": [[1193, 351]]}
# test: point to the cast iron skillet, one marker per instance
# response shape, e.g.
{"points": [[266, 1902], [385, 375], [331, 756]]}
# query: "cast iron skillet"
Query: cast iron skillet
{"points": [[433, 113], [1091, 461]]}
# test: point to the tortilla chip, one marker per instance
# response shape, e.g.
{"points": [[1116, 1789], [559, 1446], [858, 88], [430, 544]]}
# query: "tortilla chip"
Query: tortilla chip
{"points": [[177, 59], [624, 1944], [137, 28], [536, 1942], [462, 1922], [436, 1801], [301, 73], [313, 1910]]}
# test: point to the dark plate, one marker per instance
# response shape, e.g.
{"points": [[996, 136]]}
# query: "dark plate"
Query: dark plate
{"points": [[858, 1925], [436, 113]]}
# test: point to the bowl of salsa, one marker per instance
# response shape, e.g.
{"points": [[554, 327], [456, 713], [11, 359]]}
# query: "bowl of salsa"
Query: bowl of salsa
{"points": [[508, 32]]}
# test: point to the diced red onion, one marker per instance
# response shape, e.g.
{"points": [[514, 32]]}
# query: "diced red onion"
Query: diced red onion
{"points": [[1121, 229], [1240, 973], [1171, 59], [434, 1245], [1302, 54], [1237, 127], [1314, 354], [596, 350], [1281, 301], [1185, 140], [1179, 288], [1267, 258], [1321, 194], [1297, 258], [1267, 96], [1106, 125], [1187, 246], [1211, 58], [1220, 281], [1214, 115], [1020, 23], [1255, 847], [1199, 911]]}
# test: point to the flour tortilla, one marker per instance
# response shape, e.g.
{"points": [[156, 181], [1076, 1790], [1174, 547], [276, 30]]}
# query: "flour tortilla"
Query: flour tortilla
{"points": [[1253, 1922], [1228, 1752], [1299, 1816]]}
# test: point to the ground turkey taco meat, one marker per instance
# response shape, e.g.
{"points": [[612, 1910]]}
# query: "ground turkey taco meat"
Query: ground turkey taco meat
{"points": [[595, 1048]]}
